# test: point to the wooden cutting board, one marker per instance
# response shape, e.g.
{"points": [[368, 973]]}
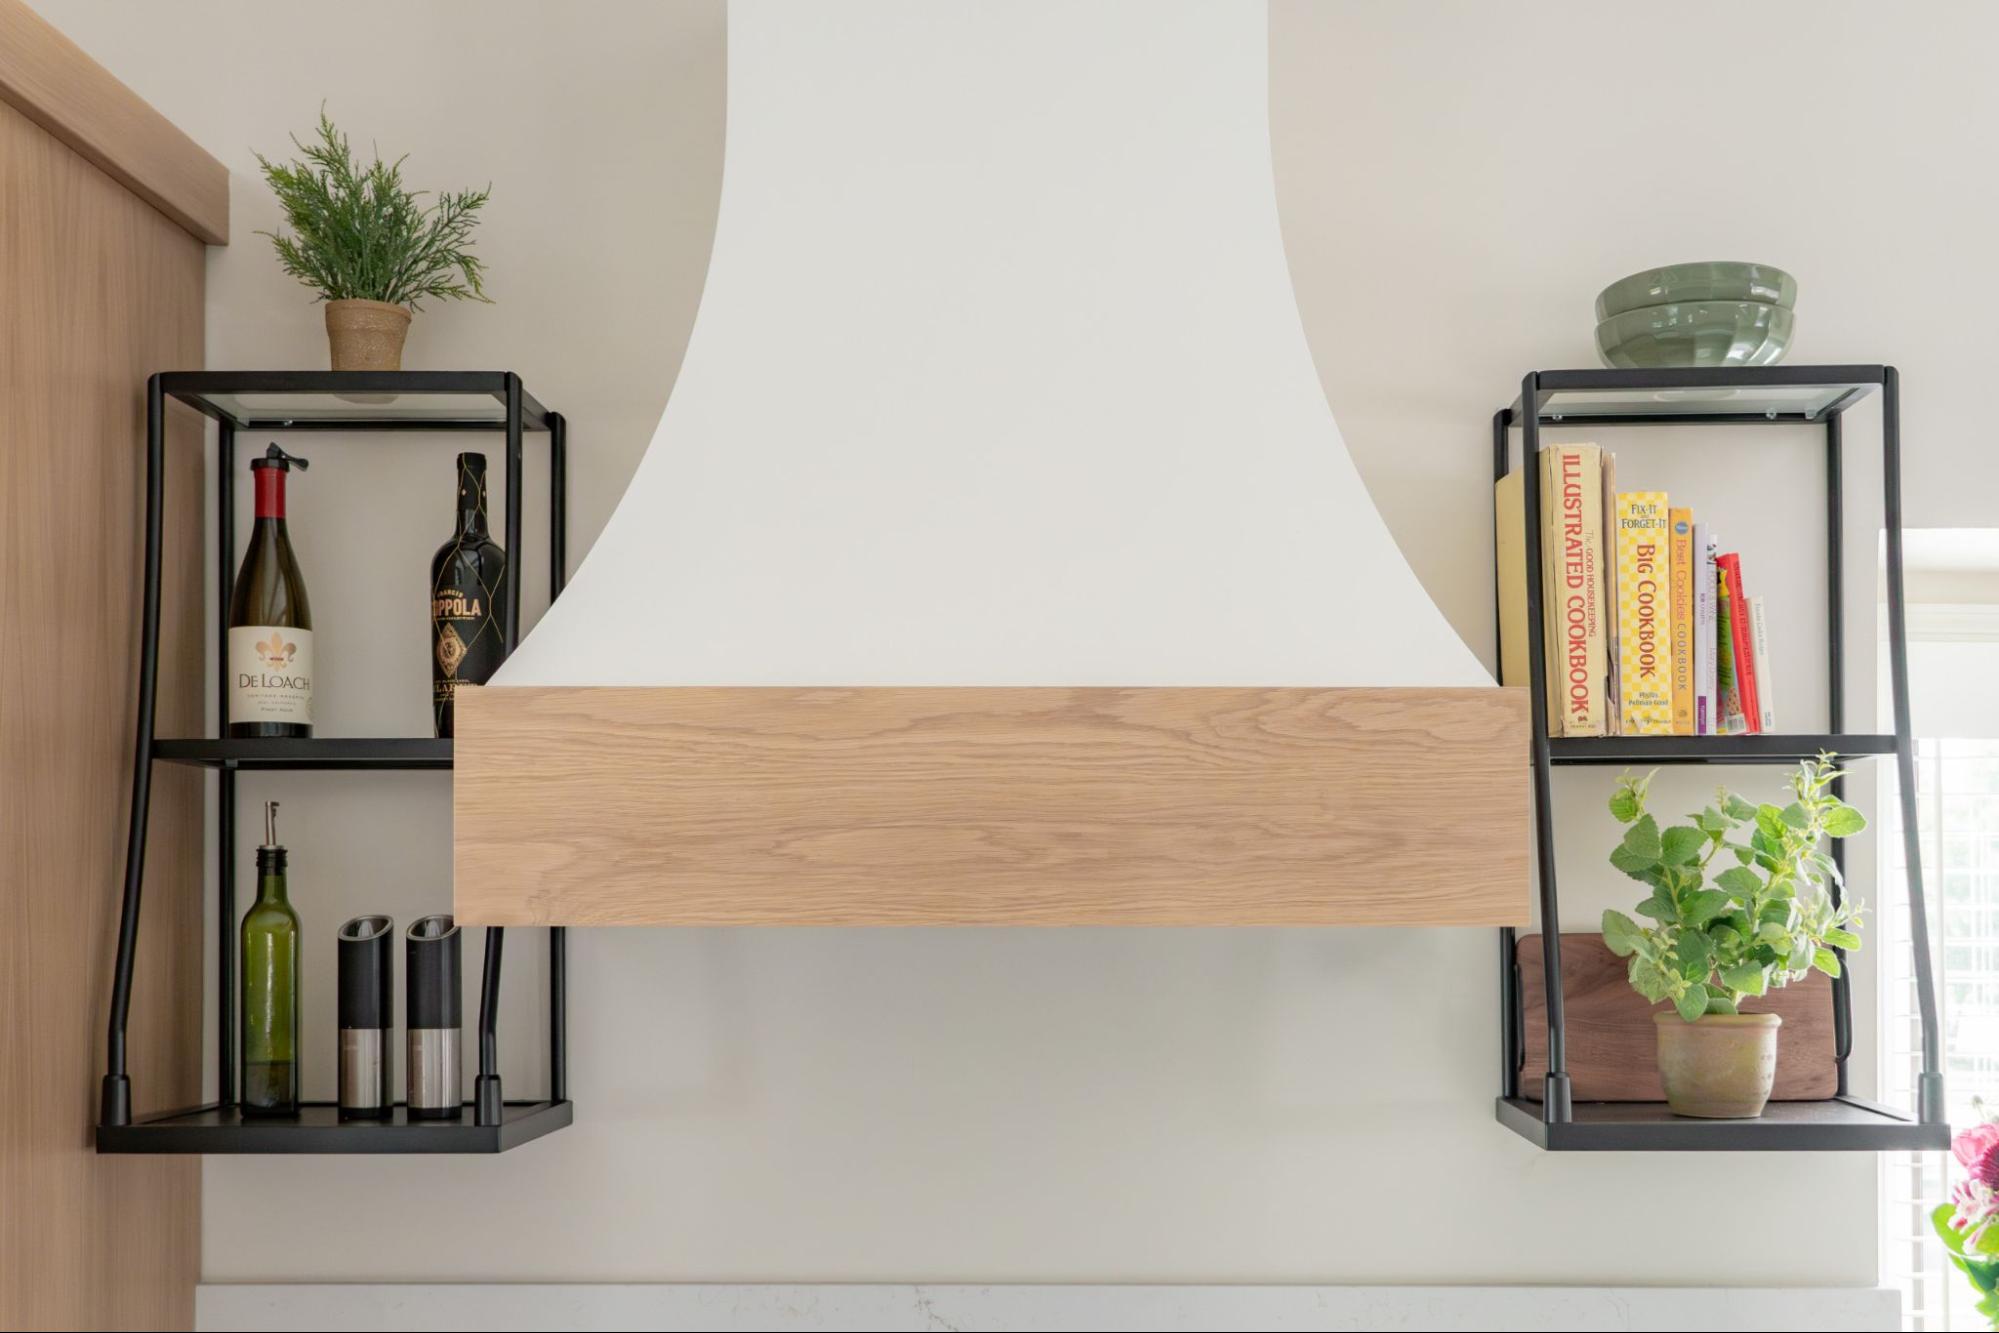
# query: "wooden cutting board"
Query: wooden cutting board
{"points": [[1611, 1042]]}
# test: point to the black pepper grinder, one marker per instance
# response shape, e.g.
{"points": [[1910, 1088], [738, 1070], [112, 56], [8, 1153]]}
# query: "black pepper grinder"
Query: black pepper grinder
{"points": [[432, 1013], [366, 1015]]}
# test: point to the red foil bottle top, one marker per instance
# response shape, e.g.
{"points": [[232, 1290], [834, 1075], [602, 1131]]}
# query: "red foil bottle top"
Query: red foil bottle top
{"points": [[270, 491]]}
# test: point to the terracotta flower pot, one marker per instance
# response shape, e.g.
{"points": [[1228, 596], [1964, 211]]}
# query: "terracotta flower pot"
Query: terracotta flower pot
{"points": [[1720, 1066], [366, 335]]}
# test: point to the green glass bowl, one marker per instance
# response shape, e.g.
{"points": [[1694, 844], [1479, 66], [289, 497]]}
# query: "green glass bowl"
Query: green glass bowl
{"points": [[1704, 333], [1679, 284]]}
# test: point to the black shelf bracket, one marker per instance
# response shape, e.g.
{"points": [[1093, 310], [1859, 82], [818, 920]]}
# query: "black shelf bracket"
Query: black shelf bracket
{"points": [[1817, 396], [320, 400]]}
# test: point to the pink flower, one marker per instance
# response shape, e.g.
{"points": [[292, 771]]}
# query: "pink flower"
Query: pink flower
{"points": [[1977, 1151]]}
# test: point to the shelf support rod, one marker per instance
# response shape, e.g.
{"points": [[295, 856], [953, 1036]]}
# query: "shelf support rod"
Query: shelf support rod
{"points": [[558, 576], [488, 1105], [1555, 1100], [1929, 1085], [115, 1105], [1835, 619], [225, 775], [1509, 967]]}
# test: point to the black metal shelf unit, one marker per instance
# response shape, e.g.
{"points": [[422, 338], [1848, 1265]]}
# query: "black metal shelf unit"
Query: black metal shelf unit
{"points": [[345, 401], [1816, 396]]}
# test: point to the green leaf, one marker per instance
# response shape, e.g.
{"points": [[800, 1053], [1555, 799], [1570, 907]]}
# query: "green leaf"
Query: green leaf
{"points": [[1660, 907], [1680, 844], [1740, 881], [1801, 955], [1631, 863], [1713, 822], [1691, 1002], [1705, 906], [1746, 978], [1736, 808], [1649, 979], [1621, 934], [1796, 816], [1624, 805], [1719, 1004], [1826, 961], [1642, 839], [1843, 821], [1774, 935], [1953, 1239], [1694, 955], [1842, 939]]}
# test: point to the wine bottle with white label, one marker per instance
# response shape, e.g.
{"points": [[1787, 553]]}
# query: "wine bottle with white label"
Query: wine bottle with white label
{"points": [[270, 619]]}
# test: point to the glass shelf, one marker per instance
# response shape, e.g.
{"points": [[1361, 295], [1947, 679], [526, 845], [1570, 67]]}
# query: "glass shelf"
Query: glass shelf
{"points": [[353, 400], [1730, 395]]}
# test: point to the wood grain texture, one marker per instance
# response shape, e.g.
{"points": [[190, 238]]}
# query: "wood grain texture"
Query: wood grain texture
{"points": [[100, 290], [49, 79], [1004, 806], [1612, 1044]]}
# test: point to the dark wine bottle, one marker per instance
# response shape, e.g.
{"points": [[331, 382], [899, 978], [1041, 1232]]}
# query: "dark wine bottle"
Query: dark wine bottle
{"points": [[269, 941], [468, 594], [270, 619]]}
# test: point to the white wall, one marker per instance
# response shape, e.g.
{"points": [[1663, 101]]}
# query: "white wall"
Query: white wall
{"points": [[1456, 182]]}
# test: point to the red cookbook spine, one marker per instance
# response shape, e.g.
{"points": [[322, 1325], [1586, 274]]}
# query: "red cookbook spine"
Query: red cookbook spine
{"points": [[1742, 640]]}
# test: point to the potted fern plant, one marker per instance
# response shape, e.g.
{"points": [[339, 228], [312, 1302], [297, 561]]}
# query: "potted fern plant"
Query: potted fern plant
{"points": [[1741, 904], [369, 246]]}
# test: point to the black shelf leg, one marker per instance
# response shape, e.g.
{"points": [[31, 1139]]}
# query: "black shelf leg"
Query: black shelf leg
{"points": [[1929, 1085], [486, 1088], [225, 786], [1509, 967], [487, 1102], [116, 1102], [558, 576], [1835, 675], [1556, 1101]]}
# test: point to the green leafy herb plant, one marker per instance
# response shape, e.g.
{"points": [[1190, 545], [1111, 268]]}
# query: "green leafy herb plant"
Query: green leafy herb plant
{"points": [[358, 233], [1742, 898]]}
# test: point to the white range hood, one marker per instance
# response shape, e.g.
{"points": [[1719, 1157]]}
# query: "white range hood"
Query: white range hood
{"points": [[998, 378]]}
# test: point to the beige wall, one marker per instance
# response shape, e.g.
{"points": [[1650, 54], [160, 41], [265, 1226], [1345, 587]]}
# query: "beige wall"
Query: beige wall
{"points": [[1457, 181]]}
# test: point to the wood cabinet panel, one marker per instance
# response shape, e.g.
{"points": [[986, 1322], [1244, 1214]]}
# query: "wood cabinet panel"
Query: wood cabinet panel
{"points": [[101, 289], [1001, 806], [1612, 1046]]}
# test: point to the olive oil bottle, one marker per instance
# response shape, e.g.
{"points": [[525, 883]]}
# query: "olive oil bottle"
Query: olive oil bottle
{"points": [[269, 941], [468, 595]]}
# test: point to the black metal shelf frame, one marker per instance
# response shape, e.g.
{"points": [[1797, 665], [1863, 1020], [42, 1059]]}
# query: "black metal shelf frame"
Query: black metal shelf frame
{"points": [[362, 401], [1817, 396]]}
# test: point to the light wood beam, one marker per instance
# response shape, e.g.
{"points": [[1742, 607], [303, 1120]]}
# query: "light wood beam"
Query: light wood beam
{"points": [[1000, 806]]}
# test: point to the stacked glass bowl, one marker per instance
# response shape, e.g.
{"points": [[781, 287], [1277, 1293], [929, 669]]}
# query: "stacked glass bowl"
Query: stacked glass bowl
{"points": [[1714, 314]]}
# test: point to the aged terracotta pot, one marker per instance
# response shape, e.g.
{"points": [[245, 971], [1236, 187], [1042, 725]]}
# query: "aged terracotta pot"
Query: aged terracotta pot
{"points": [[366, 335], [1720, 1066]]}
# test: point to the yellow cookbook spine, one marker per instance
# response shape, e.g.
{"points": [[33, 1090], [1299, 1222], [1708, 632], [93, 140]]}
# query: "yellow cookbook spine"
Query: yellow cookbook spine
{"points": [[1680, 543], [1573, 546], [1644, 613]]}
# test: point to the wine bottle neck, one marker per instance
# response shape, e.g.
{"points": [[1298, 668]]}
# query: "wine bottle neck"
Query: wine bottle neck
{"points": [[271, 886], [270, 492], [471, 496]]}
